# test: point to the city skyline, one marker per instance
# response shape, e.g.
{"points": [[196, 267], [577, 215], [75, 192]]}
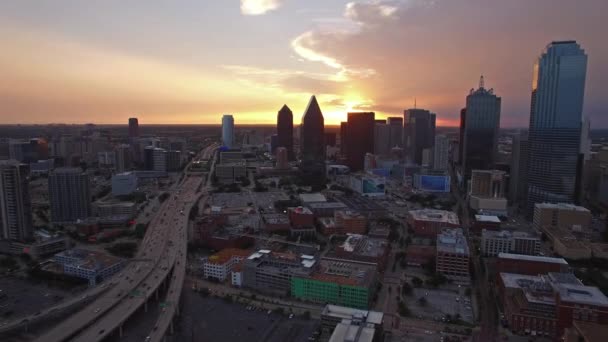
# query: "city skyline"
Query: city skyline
{"points": [[113, 61]]}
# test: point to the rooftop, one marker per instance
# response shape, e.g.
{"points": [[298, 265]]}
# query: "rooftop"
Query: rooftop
{"points": [[364, 245], [435, 215], [582, 294], [343, 312], [89, 260], [345, 272], [561, 206], [532, 258], [349, 331], [506, 234], [452, 241], [487, 218], [225, 255], [316, 197], [301, 210], [326, 205]]}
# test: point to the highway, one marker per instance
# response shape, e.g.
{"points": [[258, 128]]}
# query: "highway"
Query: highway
{"points": [[138, 281]]}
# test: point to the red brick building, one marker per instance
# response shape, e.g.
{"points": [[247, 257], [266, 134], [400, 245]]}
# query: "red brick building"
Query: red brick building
{"points": [[351, 222], [529, 264], [429, 222], [301, 216], [418, 255], [547, 305]]}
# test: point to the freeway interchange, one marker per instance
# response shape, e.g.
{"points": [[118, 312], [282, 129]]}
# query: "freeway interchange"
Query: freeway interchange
{"points": [[161, 262]]}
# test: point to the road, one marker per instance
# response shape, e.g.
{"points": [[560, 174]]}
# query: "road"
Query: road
{"points": [[487, 306], [138, 281]]}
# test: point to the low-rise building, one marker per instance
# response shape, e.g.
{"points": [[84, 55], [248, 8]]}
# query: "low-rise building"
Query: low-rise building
{"points": [[301, 217], [365, 249], [220, 265], [228, 173], [345, 283], [115, 208], [90, 265], [351, 222], [487, 222], [419, 255], [453, 255], [332, 315], [496, 242], [547, 305], [429, 222], [124, 183], [326, 209], [550, 216], [529, 264], [271, 272], [275, 222]]}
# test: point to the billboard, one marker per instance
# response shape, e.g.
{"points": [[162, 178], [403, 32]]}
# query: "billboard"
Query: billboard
{"points": [[430, 183]]}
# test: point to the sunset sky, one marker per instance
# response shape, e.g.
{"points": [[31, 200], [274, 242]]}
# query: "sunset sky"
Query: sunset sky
{"points": [[190, 61]]}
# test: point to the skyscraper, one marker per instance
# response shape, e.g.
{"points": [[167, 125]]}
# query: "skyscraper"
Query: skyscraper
{"points": [[227, 131], [69, 195], [558, 87], [382, 138], [123, 158], [133, 128], [396, 131], [285, 130], [482, 120], [15, 205], [361, 130], [419, 132], [282, 162], [343, 133], [463, 118], [312, 143], [440, 152]]}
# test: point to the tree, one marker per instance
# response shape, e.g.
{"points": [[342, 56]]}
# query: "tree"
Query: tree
{"points": [[403, 310], [417, 282], [422, 301], [406, 289]]}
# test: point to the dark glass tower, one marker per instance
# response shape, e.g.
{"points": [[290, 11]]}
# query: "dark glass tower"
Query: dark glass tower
{"points": [[419, 132], [285, 130], [133, 128], [312, 143], [482, 121], [558, 88], [361, 129]]}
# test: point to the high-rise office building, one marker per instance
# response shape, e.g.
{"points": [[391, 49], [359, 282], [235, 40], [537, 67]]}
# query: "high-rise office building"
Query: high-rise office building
{"points": [[285, 130], [133, 128], [441, 152], [69, 195], [123, 158], [396, 131], [312, 143], [482, 121], [227, 131], [558, 88], [382, 138], [463, 119], [419, 132], [361, 129], [282, 161], [15, 205]]}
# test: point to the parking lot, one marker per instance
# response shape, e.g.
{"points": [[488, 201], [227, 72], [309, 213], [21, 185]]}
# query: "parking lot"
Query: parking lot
{"points": [[214, 319], [22, 297], [438, 304]]}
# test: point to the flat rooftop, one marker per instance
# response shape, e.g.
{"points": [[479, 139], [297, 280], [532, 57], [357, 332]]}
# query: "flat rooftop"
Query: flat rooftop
{"points": [[561, 206], [364, 245], [452, 241], [345, 272], [582, 294], [506, 234], [487, 218], [316, 197], [532, 258], [343, 312], [435, 215], [348, 331]]}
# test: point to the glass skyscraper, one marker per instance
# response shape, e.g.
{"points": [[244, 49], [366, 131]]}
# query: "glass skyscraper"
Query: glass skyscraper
{"points": [[481, 124], [558, 88]]}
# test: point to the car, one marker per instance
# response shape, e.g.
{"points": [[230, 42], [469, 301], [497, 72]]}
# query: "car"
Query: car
{"points": [[269, 312], [97, 310], [290, 316]]}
